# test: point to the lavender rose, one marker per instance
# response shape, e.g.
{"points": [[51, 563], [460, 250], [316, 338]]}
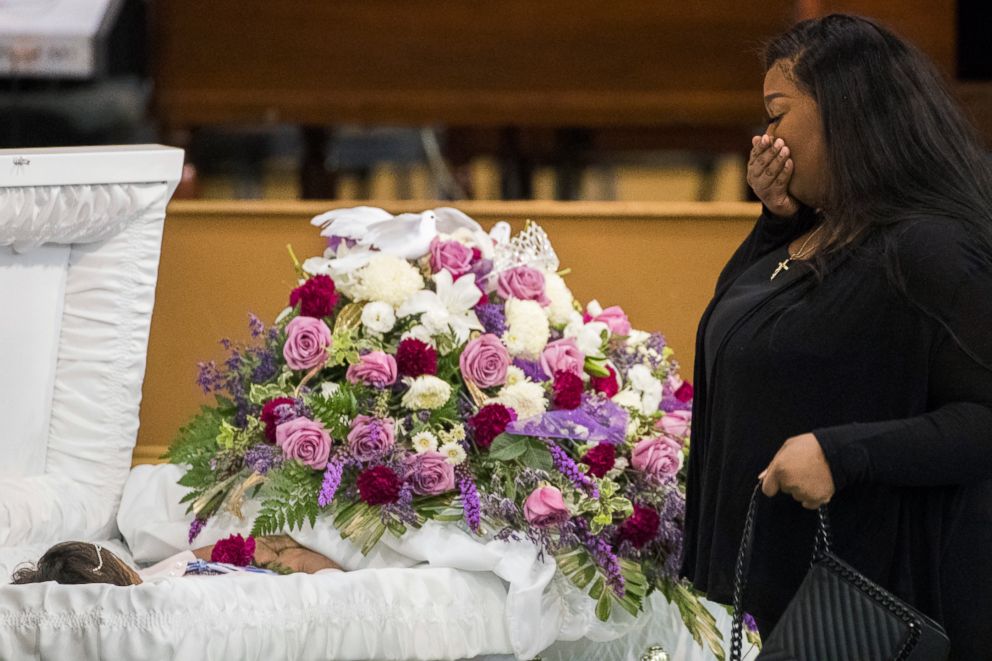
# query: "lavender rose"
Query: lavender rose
{"points": [[562, 356], [484, 361], [616, 319], [659, 457], [307, 341], [370, 438], [522, 282], [429, 473], [452, 256], [675, 423], [376, 369], [545, 507], [305, 440]]}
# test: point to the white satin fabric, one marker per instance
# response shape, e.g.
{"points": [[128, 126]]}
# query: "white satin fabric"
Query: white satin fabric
{"points": [[33, 215], [539, 611], [99, 355]]}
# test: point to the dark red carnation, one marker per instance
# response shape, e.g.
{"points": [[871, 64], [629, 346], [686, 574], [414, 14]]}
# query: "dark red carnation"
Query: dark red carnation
{"points": [[483, 298], [476, 254], [684, 393], [490, 422], [235, 550], [607, 385], [641, 527], [415, 358], [600, 459], [317, 297], [275, 412], [568, 390], [379, 485]]}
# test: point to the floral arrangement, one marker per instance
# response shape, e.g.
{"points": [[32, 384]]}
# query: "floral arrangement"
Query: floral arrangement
{"points": [[427, 370]]}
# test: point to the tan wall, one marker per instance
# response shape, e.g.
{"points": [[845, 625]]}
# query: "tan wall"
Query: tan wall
{"points": [[221, 260]]}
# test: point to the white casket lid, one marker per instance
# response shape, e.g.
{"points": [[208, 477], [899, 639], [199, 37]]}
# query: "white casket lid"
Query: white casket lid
{"points": [[69, 166]]}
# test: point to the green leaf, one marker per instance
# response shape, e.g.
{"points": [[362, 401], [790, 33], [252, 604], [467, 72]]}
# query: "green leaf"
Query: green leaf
{"points": [[507, 448], [604, 606], [537, 455], [197, 439], [598, 588]]}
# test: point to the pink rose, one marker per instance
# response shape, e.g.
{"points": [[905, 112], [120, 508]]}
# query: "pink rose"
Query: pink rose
{"points": [[562, 356], [615, 318], [659, 457], [370, 438], [484, 361], [305, 440], [429, 473], [522, 282], [375, 368], [545, 507], [452, 256], [307, 341], [676, 423]]}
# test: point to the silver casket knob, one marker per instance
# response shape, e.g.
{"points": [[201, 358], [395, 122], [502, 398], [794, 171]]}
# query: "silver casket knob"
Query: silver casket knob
{"points": [[655, 653]]}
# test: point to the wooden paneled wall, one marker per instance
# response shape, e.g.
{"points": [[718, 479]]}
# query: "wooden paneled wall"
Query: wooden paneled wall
{"points": [[221, 260]]}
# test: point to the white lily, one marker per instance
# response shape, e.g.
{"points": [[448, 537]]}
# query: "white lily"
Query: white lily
{"points": [[451, 304]]}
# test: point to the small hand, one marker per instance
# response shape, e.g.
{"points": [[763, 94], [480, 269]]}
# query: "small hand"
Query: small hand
{"points": [[769, 171], [801, 470]]}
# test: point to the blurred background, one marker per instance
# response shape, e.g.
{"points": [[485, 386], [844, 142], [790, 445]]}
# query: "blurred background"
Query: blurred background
{"points": [[637, 100]]}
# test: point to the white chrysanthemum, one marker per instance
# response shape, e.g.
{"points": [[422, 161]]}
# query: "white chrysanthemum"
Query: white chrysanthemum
{"points": [[591, 339], [527, 329], [651, 398], [378, 317], [526, 398], [426, 392], [388, 279], [455, 434], [560, 310], [637, 337], [453, 453], [329, 388], [514, 375], [641, 378], [628, 398], [574, 325], [424, 441]]}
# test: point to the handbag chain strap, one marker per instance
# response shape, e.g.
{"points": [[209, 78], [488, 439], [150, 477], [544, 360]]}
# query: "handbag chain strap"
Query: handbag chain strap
{"points": [[821, 547], [821, 553]]}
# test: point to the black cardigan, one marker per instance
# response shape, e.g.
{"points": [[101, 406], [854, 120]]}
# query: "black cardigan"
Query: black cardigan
{"points": [[896, 384]]}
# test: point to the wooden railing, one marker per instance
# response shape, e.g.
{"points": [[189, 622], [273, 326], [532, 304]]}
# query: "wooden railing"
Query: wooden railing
{"points": [[221, 260]]}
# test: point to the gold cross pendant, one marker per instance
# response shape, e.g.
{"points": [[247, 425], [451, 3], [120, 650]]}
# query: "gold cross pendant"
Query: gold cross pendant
{"points": [[782, 266]]}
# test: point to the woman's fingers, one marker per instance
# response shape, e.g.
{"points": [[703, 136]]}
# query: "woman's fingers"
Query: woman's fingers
{"points": [[784, 174]]}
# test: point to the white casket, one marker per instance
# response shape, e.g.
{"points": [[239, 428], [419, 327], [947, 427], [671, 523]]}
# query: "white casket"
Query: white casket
{"points": [[80, 235]]}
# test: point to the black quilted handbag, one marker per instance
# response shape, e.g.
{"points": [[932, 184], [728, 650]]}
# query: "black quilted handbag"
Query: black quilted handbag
{"points": [[837, 614]]}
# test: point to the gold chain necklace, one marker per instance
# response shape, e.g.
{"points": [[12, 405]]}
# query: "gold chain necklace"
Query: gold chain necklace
{"points": [[784, 266]]}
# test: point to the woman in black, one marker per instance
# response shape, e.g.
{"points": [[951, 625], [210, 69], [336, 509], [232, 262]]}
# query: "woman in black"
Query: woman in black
{"points": [[847, 354]]}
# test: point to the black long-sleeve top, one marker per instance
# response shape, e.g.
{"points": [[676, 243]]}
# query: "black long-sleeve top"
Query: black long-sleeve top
{"points": [[895, 382]]}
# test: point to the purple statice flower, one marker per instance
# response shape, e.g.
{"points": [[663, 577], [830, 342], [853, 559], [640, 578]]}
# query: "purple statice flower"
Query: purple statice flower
{"points": [[492, 318], [208, 377], [402, 510], [470, 499], [195, 528], [603, 555], [749, 623], [424, 416], [567, 467], [267, 367], [532, 369], [332, 480], [262, 458], [255, 326]]}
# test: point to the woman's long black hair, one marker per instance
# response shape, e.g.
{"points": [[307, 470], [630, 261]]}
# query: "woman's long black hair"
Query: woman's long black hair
{"points": [[898, 145]]}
